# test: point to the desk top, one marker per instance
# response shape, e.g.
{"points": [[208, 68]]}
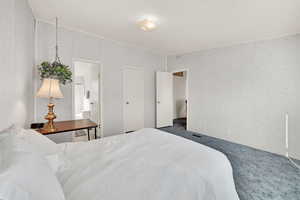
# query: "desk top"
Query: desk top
{"points": [[72, 125]]}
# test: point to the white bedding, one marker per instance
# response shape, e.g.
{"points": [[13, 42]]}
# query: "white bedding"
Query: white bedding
{"points": [[146, 165]]}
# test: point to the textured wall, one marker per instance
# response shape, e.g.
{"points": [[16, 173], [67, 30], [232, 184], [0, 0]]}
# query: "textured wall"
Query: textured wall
{"points": [[242, 93], [113, 57], [16, 63]]}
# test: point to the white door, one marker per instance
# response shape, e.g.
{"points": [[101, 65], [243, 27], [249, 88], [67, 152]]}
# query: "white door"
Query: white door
{"points": [[164, 99], [133, 95]]}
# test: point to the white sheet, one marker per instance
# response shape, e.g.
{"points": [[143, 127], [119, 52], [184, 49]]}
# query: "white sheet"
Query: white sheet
{"points": [[146, 165]]}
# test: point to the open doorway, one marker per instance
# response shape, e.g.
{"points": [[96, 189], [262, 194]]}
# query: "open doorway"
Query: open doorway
{"points": [[180, 99], [86, 95]]}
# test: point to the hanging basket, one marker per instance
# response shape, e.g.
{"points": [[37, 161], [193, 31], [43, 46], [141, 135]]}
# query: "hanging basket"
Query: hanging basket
{"points": [[55, 70]]}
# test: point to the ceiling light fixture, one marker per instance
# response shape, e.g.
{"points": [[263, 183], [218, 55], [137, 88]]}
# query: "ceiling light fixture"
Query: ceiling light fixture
{"points": [[147, 24]]}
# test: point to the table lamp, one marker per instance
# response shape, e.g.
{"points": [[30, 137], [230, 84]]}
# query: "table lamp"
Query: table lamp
{"points": [[50, 89]]}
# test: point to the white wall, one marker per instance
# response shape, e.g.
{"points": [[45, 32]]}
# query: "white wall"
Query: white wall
{"points": [[242, 93], [16, 63], [113, 57], [239, 93], [179, 96]]}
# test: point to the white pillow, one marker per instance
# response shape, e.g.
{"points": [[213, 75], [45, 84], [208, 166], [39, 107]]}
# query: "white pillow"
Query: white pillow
{"points": [[28, 140], [5, 151], [30, 177], [32, 141], [9, 190], [6, 147]]}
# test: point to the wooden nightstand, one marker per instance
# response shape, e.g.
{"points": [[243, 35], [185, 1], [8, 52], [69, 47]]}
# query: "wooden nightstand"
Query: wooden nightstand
{"points": [[72, 125]]}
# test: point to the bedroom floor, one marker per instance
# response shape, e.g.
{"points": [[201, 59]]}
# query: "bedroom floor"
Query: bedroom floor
{"points": [[258, 175]]}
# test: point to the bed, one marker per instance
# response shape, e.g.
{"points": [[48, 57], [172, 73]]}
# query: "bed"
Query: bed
{"points": [[145, 165]]}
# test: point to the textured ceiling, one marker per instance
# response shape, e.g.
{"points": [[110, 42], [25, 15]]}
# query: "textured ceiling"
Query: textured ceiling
{"points": [[184, 25]]}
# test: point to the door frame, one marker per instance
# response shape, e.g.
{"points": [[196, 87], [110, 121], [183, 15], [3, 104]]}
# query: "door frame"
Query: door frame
{"points": [[187, 93], [123, 92], [100, 97]]}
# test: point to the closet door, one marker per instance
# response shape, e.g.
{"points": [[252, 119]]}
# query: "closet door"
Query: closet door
{"points": [[133, 95]]}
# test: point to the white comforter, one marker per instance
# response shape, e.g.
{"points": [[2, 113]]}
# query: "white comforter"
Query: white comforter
{"points": [[146, 165]]}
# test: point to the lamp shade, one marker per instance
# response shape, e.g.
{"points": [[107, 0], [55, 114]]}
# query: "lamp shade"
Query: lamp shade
{"points": [[50, 89]]}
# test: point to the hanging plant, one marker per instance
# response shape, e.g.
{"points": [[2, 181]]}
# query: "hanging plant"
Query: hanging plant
{"points": [[55, 70]]}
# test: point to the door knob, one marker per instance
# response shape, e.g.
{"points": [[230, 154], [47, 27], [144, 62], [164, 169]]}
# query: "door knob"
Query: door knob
{"points": [[127, 102]]}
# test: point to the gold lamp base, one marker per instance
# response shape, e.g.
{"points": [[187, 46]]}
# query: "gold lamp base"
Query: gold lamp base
{"points": [[49, 126]]}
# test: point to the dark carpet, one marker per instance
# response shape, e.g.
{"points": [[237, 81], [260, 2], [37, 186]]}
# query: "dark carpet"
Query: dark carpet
{"points": [[258, 175]]}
